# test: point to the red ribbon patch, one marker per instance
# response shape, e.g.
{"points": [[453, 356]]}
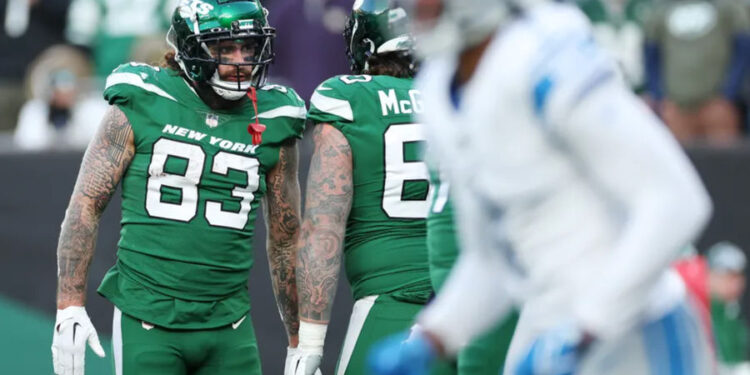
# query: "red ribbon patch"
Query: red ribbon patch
{"points": [[255, 129]]}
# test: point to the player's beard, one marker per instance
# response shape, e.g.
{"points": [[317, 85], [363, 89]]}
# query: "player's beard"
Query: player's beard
{"points": [[232, 84]]}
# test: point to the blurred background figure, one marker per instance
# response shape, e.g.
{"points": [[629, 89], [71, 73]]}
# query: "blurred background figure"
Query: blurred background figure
{"points": [[696, 54], [111, 28], [28, 27], [61, 112], [727, 264], [618, 27]]}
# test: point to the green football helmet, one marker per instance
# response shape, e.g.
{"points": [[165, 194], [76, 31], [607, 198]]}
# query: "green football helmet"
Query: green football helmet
{"points": [[204, 33], [376, 27]]}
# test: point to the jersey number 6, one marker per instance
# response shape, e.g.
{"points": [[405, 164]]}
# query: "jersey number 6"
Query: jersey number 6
{"points": [[399, 171]]}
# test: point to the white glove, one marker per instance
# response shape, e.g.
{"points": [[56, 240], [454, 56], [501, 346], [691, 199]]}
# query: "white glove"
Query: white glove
{"points": [[73, 329], [300, 362]]}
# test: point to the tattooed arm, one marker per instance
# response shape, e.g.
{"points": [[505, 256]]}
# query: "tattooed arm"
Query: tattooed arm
{"points": [[327, 205], [106, 159], [282, 213]]}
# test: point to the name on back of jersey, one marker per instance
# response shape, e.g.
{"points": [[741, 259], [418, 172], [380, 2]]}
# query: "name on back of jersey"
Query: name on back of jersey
{"points": [[391, 104], [225, 144]]}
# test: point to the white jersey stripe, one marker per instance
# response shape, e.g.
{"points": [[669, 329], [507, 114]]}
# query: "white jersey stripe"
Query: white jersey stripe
{"points": [[285, 111], [135, 80], [338, 107]]}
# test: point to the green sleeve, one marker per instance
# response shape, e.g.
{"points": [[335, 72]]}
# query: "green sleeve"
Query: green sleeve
{"points": [[289, 111], [330, 104], [131, 80]]}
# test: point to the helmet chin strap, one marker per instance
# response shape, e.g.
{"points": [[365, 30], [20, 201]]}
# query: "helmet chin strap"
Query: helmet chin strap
{"points": [[221, 88], [229, 94]]}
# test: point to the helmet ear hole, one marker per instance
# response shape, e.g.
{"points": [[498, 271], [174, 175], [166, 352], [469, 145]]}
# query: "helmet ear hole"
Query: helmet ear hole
{"points": [[369, 45]]}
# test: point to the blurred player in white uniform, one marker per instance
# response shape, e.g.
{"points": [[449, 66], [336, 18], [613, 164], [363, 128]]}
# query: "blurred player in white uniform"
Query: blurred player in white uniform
{"points": [[572, 199]]}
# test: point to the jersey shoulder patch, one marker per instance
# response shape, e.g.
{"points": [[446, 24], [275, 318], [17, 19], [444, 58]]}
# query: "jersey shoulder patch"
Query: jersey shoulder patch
{"points": [[136, 79]]}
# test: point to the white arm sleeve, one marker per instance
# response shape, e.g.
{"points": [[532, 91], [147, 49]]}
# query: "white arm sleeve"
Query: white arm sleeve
{"points": [[475, 294], [630, 154]]}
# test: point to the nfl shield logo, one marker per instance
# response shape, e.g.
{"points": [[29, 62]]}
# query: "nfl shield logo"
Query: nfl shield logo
{"points": [[212, 120]]}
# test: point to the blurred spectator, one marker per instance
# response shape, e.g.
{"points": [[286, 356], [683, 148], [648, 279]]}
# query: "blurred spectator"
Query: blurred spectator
{"points": [[618, 27], [727, 285], [61, 112], [693, 268], [28, 27], [696, 54], [111, 28]]}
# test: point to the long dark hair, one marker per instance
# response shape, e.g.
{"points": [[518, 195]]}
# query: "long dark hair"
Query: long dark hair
{"points": [[400, 64], [169, 62]]}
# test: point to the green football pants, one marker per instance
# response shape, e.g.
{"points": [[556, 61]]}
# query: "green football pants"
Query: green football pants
{"points": [[486, 354], [375, 318], [143, 349]]}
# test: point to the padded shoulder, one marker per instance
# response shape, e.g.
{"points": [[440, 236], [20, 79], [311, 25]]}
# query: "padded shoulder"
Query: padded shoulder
{"points": [[136, 79], [331, 101]]}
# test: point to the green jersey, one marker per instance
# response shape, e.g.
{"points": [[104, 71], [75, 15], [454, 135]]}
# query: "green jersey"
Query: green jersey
{"points": [[190, 197], [385, 250], [442, 243]]}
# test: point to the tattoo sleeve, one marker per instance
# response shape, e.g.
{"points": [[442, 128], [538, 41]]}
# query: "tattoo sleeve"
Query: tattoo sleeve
{"points": [[105, 161], [328, 201], [282, 210]]}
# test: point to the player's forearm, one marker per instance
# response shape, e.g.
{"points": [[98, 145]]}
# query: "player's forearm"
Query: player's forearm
{"points": [[318, 268], [472, 301], [329, 199], [658, 229], [104, 163], [643, 169], [478, 291], [283, 222], [75, 250], [281, 259]]}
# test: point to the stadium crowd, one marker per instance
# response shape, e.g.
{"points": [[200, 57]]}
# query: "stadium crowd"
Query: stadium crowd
{"points": [[686, 58]]}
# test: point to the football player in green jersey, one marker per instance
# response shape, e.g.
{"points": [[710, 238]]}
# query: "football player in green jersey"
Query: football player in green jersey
{"points": [[367, 195], [193, 175], [486, 354]]}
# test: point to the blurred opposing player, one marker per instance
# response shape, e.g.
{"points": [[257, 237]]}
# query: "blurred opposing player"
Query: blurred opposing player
{"points": [[484, 355], [367, 195], [571, 198], [192, 181]]}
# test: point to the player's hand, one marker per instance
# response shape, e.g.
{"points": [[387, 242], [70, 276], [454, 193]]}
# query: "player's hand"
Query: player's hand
{"points": [[557, 352], [403, 354], [73, 329], [301, 361]]}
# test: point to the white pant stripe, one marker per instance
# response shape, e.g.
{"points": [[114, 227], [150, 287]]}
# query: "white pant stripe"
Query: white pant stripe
{"points": [[117, 340], [356, 322]]}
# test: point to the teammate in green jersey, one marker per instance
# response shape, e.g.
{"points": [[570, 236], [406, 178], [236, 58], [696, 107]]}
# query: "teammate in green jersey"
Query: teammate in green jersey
{"points": [[366, 195], [193, 175], [486, 354]]}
